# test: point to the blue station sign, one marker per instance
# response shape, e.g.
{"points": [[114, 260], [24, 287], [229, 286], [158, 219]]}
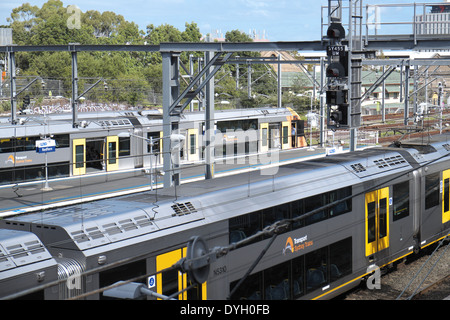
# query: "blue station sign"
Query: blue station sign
{"points": [[44, 146]]}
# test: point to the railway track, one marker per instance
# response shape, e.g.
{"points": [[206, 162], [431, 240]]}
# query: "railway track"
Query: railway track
{"points": [[414, 278], [394, 125]]}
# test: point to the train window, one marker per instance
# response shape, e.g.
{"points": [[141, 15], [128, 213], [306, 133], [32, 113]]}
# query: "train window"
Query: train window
{"points": [[62, 141], [276, 282], [157, 142], [6, 176], [432, 182], [298, 210], [316, 264], [293, 278], [313, 203], [298, 277], [124, 147], [272, 215], [343, 206], [340, 259], [6, 146], [247, 225], [123, 272], [400, 200], [244, 226], [250, 289]]}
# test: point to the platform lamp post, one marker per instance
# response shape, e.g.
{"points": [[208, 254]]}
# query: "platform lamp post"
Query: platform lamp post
{"points": [[175, 139], [150, 142]]}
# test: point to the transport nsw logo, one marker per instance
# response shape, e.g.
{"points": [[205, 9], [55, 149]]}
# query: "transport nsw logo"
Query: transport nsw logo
{"points": [[17, 160], [296, 244]]}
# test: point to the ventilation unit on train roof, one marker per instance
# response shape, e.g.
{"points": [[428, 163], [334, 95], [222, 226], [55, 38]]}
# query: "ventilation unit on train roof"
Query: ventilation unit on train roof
{"points": [[100, 223], [19, 248], [376, 165]]}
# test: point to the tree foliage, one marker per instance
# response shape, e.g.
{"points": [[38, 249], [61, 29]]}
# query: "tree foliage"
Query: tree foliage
{"points": [[131, 77]]}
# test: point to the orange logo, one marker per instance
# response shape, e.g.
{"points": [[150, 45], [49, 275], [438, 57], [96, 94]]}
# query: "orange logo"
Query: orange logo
{"points": [[289, 245], [296, 244], [10, 159]]}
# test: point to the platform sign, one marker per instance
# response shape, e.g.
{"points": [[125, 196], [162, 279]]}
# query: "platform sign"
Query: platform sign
{"points": [[44, 146]]}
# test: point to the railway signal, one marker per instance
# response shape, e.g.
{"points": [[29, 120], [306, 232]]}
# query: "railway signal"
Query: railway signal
{"points": [[337, 74]]}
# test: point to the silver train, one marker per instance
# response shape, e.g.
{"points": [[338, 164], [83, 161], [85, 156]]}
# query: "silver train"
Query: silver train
{"points": [[100, 142], [347, 214]]}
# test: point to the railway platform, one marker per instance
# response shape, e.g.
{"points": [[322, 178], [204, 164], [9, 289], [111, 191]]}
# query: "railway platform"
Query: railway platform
{"points": [[32, 196]]}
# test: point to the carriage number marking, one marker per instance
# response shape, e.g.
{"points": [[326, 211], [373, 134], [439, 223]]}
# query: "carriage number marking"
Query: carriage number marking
{"points": [[220, 270]]}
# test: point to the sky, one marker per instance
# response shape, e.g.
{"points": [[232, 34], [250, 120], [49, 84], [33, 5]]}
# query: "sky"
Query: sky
{"points": [[276, 20]]}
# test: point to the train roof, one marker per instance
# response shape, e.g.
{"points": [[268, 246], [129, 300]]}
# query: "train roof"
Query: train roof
{"points": [[21, 249], [39, 124]]}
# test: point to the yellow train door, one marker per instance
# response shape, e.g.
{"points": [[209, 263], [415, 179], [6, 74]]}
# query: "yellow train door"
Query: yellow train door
{"points": [[446, 196], [171, 281], [79, 157], [377, 221], [112, 153]]}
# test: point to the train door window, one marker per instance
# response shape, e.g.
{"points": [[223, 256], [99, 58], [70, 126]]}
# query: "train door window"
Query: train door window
{"points": [[264, 131], [316, 263], [400, 199], [264, 137], [377, 220], [432, 182], [167, 282], [79, 156], [446, 196], [192, 145], [285, 135], [112, 153]]}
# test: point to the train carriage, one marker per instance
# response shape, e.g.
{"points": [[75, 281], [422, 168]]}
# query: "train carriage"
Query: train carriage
{"points": [[347, 214], [111, 141]]}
